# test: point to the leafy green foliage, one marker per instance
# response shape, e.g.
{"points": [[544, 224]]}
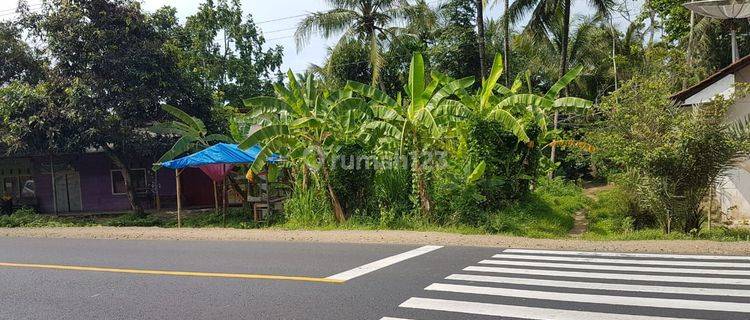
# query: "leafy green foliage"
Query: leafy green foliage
{"points": [[19, 61], [28, 218], [419, 124], [352, 181], [674, 157], [223, 50]]}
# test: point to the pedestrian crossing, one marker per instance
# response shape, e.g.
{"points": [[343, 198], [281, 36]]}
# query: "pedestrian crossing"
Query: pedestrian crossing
{"points": [[577, 285]]}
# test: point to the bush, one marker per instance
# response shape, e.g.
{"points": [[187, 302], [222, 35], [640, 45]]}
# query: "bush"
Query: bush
{"points": [[456, 201], [28, 218], [673, 157], [511, 164], [238, 218], [610, 213], [352, 183]]}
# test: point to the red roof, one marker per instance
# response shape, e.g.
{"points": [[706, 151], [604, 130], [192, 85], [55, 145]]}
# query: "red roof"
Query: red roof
{"points": [[730, 69]]}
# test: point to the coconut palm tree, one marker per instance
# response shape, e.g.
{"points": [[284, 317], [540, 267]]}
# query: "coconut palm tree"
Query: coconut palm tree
{"points": [[544, 15], [480, 35], [368, 21]]}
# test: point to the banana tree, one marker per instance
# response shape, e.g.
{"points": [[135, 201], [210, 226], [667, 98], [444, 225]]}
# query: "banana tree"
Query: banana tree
{"points": [[306, 125], [418, 123], [518, 111]]}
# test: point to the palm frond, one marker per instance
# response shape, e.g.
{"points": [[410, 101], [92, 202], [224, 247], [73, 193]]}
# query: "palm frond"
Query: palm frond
{"points": [[327, 24]]}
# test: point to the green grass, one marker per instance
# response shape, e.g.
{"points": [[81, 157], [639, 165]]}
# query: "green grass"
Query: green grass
{"points": [[609, 220], [546, 213], [28, 218]]}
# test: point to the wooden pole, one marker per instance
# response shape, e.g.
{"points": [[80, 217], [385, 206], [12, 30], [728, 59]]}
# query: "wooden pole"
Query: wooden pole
{"points": [[179, 202], [216, 199], [156, 191], [225, 201], [54, 188]]}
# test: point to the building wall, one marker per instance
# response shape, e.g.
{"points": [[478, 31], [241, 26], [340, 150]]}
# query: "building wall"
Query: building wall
{"points": [[733, 195], [94, 170], [734, 188], [724, 86]]}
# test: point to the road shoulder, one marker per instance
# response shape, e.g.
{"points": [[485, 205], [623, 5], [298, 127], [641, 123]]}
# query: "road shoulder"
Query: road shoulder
{"points": [[382, 237]]}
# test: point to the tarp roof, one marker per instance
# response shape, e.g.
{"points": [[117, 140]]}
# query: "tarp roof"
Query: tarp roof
{"points": [[222, 153]]}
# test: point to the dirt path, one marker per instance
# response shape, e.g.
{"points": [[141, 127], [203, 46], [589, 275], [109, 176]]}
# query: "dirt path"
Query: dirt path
{"points": [[382, 237], [580, 222]]}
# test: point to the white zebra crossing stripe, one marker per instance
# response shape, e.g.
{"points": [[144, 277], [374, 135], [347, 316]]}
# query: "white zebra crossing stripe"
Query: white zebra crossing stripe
{"points": [[627, 255], [616, 268], [618, 276], [382, 263], [391, 318], [602, 286], [593, 298], [625, 261], [512, 311]]}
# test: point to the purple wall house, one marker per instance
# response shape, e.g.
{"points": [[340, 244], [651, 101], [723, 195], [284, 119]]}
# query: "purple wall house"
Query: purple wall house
{"points": [[92, 183]]}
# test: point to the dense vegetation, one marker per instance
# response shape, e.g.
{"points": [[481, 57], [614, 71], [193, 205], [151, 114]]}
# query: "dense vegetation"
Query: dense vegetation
{"points": [[459, 120]]}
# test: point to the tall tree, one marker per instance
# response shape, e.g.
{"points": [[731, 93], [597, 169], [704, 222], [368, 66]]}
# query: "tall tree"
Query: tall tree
{"points": [[115, 79], [506, 41], [368, 21], [454, 50], [224, 49], [480, 35], [18, 61], [543, 16]]}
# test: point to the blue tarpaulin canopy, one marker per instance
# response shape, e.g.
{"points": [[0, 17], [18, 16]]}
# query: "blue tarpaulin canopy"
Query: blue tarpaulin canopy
{"points": [[222, 153]]}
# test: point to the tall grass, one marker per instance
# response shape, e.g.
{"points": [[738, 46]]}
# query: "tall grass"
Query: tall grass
{"points": [[308, 207]]}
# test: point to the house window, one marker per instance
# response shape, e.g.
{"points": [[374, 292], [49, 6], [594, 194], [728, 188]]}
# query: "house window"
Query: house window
{"points": [[137, 179], [16, 179]]}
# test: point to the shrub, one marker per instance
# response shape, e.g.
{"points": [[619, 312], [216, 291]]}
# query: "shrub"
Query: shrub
{"points": [[456, 200], [28, 218], [353, 182], [673, 156], [511, 164]]}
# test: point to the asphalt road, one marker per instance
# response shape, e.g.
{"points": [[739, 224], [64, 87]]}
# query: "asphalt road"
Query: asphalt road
{"points": [[130, 279]]}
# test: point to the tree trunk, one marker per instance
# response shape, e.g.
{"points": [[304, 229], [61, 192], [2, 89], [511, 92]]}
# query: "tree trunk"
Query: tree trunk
{"points": [[425, 203], [563, 68], [689, 47], [129, 190], [338, 211], [652, 23], [614, 52], [480, 36], [506, 44]]}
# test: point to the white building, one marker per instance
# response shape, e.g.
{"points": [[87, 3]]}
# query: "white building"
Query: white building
{"points": [[733, 191]]}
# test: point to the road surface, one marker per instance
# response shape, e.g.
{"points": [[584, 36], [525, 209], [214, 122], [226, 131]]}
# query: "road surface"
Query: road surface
{"points": [[134, 279]]}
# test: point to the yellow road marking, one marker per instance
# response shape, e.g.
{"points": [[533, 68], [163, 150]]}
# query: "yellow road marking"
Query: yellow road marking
{"points": [[171, 273]]}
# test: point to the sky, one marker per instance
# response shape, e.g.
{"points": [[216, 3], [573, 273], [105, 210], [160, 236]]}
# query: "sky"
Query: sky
{"points": [[286, 13]]}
